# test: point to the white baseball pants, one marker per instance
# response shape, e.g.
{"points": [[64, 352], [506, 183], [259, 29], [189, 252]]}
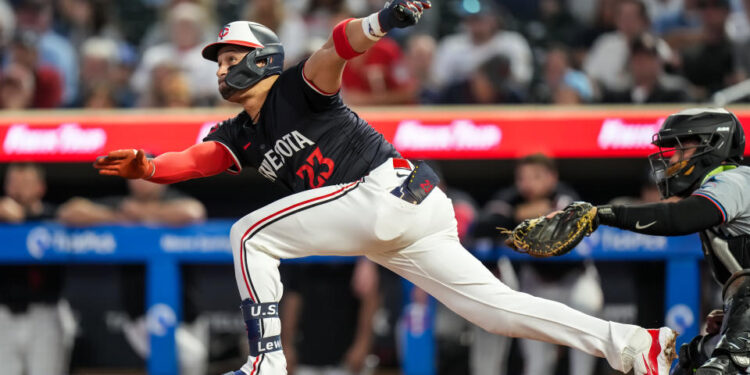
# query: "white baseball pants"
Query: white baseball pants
{"points": [[418, 242]]}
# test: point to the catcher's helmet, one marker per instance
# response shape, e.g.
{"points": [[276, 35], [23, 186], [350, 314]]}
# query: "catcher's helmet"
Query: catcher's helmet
{"points": [[719, 138], [265, 45]]}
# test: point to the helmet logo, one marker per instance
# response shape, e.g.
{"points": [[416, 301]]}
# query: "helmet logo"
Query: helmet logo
{"points": [[224, 32]]}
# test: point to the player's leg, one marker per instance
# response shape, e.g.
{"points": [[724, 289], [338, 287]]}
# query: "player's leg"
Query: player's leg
{"points": [[437, 263], [540, 358], [488, 354], [46, 350], [585, 295], [443, 268], [325, 221], [732, 353], [10, 354]]}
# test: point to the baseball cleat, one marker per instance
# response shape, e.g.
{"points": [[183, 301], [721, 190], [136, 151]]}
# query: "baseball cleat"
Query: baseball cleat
{"points": [[658, 359]]}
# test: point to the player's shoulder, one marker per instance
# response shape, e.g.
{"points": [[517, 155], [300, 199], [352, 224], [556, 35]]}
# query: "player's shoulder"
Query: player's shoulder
{"points": [[739, 175], [237, 120], [736, 177]]}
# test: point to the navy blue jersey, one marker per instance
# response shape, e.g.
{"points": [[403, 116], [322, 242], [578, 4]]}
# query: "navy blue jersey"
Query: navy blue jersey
{"points": [[303, 138]]}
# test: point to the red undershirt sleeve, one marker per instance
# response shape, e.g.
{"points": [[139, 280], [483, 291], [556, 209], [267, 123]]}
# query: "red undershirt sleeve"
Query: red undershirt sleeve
{"points": [[201, 160]]}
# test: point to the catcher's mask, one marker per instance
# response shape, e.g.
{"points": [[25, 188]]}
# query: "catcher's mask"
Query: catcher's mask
{"points": [[715, 135], [265, 45]]}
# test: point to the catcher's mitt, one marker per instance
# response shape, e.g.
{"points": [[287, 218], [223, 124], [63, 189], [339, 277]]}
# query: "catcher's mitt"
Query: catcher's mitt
{"points": [[546, 237]]}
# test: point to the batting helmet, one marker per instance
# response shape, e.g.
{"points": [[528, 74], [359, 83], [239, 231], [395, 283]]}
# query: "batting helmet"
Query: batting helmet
{"points": [[265, 45], [716, 136]]}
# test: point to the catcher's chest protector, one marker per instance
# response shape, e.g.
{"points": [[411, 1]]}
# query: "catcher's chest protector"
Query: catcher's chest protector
{"points": [[715, 243]]}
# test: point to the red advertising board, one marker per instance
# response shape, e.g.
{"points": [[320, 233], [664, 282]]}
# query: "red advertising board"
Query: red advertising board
{"points": [[427, 133]]}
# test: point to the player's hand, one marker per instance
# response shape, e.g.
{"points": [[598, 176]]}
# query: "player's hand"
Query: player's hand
{"points": [[11, 211], [290, 354], [355, 357], [401, 13], [713, 322], [130, 164]]}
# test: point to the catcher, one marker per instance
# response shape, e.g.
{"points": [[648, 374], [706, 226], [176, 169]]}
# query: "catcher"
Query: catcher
{"points": [[699, 157]]}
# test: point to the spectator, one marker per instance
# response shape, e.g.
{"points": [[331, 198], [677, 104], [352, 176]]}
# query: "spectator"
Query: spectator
{"points": [[322, 15], [553, 26], [560, 83], [160, 32], [490, 84], [185, 22], [420, 53], [287, 24], [102, 64], [650, 84], [54, 50], [79, 20], [99, 96], [709, 64], [33, 339], [680, 29], [659, 9], [168, 88], [147, 203], [338, 302], [608, 57], [379, 77], [537, 191], [459, 55], [739, 33], [48, 87], [7, 26], [16, 87]]}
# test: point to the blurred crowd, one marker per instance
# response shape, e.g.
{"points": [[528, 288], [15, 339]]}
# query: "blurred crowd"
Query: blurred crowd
{"points": [[146, 53]]}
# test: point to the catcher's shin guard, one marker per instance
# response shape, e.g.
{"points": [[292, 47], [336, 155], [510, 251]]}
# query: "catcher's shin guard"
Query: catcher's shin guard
{"points": [[732, 353], [253, 314]]}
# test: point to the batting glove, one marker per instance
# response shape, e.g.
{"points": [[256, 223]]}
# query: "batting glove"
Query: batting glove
{"points": [[131, 164], [401, 13]]}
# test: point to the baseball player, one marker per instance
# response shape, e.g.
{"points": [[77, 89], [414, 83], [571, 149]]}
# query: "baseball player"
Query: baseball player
{"points": [[350, 193], [698, 160]]}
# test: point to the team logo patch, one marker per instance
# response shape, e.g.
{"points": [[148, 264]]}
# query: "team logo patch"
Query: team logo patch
{"points": [[224, 32]]}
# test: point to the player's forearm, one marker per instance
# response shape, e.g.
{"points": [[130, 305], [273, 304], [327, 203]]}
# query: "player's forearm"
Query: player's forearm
{"points": [[369, 304], [177, 212], [289, 314], [201, 160], [687, 216]]}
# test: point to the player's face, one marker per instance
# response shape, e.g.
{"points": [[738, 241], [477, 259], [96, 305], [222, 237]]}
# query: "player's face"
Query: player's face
{"points": [[535, 181], [24, 185], [684, 153], [228, 56]]}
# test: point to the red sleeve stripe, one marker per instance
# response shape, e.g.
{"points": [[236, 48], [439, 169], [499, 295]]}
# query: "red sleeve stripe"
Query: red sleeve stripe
{"points": [[717, 204], [236, 161], [312, 85]]}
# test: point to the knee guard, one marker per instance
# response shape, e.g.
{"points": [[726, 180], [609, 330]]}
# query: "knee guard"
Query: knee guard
{"points": [[253, 314], [733, 349]]}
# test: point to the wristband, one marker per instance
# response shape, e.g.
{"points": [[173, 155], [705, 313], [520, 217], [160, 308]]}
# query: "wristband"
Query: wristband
{"points": [[371, 27], [151, 168], [341, 42]]}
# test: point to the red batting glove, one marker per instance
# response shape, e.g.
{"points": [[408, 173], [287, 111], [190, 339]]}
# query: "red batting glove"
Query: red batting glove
{"points": [[130, 164]]}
